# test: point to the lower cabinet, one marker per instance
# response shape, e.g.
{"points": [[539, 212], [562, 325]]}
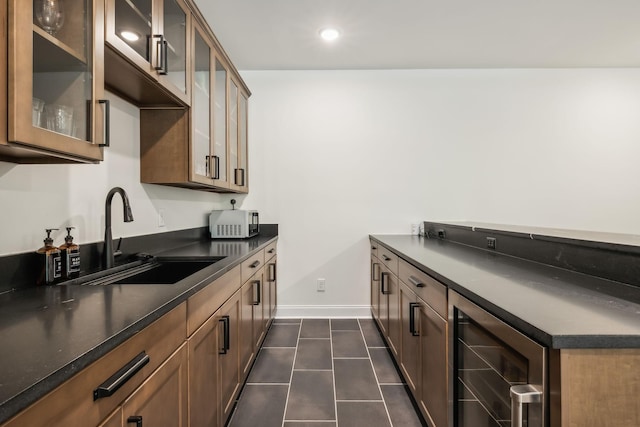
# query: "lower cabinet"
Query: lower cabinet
{"points": [[228, 354]]}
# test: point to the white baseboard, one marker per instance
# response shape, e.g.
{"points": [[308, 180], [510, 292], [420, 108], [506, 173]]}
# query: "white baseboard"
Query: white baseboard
{"points": [[323, 311]]}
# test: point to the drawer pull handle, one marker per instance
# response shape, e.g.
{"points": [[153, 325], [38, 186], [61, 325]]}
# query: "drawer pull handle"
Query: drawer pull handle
{"points": [[373, 248], [135, 419], [412, 318], [254, 264], [117, 380], [257, 297], [384, 284], [272, 272], [272, 250], [107, 120], [520, 395], [225, 334], [416, 282], [386, 258]]}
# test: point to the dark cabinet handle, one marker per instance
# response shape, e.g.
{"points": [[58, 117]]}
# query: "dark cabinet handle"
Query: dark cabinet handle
{"points": [[375, 272], [135, 419], [117, 380], [216, 167], [159, 47], [412, 318], [107, 121], [384, 284], [256, 292], [239, 177], [254, 264], [386, 258], [165, 58], [272, 272], [416, 282], [270, 251], [373, 248], [225, 335]]}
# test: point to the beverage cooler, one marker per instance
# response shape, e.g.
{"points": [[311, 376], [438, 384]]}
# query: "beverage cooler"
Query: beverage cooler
{"points": [[500, 377]]}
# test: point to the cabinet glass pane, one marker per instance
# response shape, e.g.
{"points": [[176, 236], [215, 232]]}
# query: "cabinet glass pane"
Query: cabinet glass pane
{"points": [[62, 67], [175, 33], [133, 24], [233, 129], [201, 107], [242, 130], [220, 118]]}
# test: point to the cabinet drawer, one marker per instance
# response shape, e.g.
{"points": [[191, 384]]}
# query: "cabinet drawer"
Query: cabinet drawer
{"points": [[252, 265], [426, 287], [388, 258], [203, 304], [72, 403], [270, 251], [374, 248]]}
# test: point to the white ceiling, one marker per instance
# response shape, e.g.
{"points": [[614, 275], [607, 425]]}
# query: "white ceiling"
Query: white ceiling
{"points": [[401, 34]]}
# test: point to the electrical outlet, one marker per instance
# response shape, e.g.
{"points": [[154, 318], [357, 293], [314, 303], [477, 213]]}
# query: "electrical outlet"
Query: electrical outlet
{"points": [[161, 218], [320, 285], [441, 234], [491, 242]]}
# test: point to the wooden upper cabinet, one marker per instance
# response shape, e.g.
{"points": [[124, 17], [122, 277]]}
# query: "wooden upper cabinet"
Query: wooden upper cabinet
{"points": [[238, 138], [154, 36], [54, 82]]}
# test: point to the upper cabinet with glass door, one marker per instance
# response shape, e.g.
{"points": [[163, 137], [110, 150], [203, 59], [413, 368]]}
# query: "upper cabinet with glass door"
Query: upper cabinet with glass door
{"points": [[54, 81], [153, 35], [238, 138]]}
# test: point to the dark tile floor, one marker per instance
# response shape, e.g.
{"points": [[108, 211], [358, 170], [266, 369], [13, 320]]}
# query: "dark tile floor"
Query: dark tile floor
{"points": [[324, 373]]}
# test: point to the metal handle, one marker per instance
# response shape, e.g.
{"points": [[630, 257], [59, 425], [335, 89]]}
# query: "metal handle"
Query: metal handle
{"points": [[107, 121], [520, 395], [225, 334], [135, 419], [239, 177], [412, 318], [375, 272], [384, 283], [270, 251], [216, 167], [165, 58], [374, 248], [272, 272], [416, 282], [255, 264], [257, 297], [159, 47], [386, 258], [117, 380]]}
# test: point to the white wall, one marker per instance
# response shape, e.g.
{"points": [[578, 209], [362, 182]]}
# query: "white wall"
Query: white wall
{"points": [[35, 197], [337, 155]]}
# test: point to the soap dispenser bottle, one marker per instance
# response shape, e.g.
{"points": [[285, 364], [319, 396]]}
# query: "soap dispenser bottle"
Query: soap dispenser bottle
{"points": [[51, 260], [70, 257]]}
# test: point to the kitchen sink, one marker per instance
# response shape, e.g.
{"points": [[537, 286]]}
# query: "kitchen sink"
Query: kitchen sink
{"points": [[161, 270]]}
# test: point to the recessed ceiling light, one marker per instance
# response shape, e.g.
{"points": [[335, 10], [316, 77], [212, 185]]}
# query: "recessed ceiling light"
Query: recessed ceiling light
{"points": [[130, 35], [329, 34]]}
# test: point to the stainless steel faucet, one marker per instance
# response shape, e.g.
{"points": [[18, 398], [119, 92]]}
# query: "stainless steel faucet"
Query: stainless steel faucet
{"points": [[128, 217]]}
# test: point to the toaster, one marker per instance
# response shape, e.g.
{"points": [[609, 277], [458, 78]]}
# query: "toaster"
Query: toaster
{"points": [[233, 224]]}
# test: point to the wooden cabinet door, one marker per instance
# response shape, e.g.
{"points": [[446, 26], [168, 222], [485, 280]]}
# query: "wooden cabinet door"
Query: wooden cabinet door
{"points": [[259, 293], [383, 306], [55, 84], [272, 273], [393, 333], [375, 288], [246, 326], [238, 143], [162, 399], [204, 384], [229, 354], [113, 420], [410, 338], [433, 350]]}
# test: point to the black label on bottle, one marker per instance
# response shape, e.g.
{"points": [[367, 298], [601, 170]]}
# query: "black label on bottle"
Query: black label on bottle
{"points": [[73, 262], [57, 266]]}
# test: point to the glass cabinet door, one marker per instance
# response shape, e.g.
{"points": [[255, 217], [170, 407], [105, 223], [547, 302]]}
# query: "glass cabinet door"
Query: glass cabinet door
{"points": [[242, 141], [233, 134], [133, 25], [202, 164], [54, 87], [220, 147], [174, 46]]}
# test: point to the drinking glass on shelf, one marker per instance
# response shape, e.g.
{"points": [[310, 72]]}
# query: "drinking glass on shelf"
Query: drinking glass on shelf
{"points": [[36, 111], [59, 118], [50, 15]]}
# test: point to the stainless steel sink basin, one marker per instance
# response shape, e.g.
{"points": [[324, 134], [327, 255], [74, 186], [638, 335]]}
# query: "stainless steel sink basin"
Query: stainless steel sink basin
{"points": [[162, 270]]}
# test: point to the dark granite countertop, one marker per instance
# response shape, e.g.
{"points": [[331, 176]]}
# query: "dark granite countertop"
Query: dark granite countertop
{"points": [[556, 307], [50, 333]]}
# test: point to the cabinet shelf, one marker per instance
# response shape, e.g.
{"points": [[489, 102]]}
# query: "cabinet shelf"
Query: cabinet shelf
{"points": [[55, 55]]}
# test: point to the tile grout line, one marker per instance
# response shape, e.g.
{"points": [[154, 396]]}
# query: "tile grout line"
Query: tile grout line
{"points": [[375, 375], [295, 356], [333, 376]]}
